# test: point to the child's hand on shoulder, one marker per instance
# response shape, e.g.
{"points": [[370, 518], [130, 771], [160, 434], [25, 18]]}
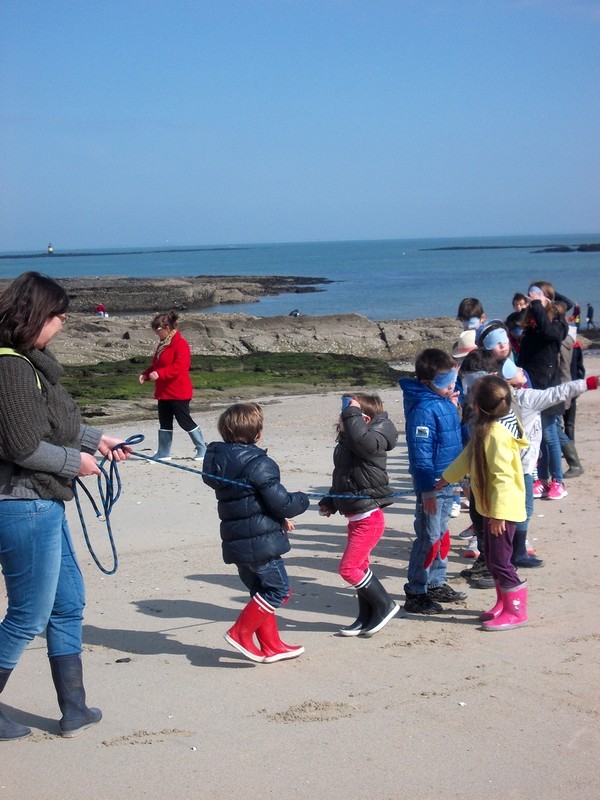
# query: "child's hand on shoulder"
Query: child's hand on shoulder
{"points": [[289, 525]]}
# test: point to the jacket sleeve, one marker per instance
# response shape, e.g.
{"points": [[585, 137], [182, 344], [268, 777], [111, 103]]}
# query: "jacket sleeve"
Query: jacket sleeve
{"points": [[422, 440], [540, 399], [277, 501], [365, 441], [63, 461], [460, 467], [90, 438], [555, 329]]}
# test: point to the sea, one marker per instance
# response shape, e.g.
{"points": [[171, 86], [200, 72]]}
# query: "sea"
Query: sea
{"points": [[382, 279]]}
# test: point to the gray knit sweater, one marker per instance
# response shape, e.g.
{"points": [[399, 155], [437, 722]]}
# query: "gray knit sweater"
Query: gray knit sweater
{"points": [[41, 433]]}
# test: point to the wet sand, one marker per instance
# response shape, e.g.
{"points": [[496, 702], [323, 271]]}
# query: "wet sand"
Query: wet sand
{"points": [[429, 708]]}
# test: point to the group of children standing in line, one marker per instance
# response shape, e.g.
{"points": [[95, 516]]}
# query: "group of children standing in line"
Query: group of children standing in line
{"points": [[484, 423]]}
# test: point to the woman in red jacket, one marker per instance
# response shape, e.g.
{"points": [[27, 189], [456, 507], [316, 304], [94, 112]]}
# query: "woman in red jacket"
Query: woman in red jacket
{"points": [[170, 371]]}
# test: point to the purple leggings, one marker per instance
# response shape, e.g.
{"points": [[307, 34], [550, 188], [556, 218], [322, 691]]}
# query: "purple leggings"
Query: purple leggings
{"points": [[363, 535], [498, 551]]}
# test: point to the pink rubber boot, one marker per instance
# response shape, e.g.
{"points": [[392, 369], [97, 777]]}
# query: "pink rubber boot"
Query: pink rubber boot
{"points": [[514, 613], [496, 610]]}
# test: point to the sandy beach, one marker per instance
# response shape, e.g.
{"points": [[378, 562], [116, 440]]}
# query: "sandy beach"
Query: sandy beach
{"points": [[429, 708]]}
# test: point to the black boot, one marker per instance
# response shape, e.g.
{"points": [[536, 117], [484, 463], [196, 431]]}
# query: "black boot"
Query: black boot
{"points": [[9, 729], [383, 607], [520, 556], [363, 619], [569, 451], [67, 674]]}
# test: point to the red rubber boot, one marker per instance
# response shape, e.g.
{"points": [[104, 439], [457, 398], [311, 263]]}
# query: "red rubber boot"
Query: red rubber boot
{"points": [[270, 642], [241, 635]]}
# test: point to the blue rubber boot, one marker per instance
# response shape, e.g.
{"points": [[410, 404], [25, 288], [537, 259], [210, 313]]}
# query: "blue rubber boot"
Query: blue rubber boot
{"points": [[10, 730], [67, 674]]}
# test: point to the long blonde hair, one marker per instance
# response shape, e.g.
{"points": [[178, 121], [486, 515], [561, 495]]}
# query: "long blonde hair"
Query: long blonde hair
{"points": [[492, 398]]}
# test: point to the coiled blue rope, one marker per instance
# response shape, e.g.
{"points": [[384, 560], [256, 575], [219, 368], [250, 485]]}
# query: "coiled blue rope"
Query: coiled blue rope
{"points": [[109, 490]]}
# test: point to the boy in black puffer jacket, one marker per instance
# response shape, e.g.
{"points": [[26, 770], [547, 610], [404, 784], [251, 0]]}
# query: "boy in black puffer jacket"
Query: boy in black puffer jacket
{"points": [[254, 508]]}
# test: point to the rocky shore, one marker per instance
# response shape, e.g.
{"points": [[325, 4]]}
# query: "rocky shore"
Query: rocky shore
{"points": [[125, 295], [87, 339]]}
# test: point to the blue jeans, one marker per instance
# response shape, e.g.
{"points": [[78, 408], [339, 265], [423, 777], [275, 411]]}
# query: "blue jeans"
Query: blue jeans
{"points": [[267, 578], [429, 529], [550, 463], [521, 527], [43, 580]]}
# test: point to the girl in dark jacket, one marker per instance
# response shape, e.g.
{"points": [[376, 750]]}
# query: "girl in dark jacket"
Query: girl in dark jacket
{"points": [[254, 509], [360, 489], [545, 329]]}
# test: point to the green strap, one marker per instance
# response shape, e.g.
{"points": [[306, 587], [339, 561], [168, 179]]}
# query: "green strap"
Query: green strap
{"points": [[8, 351]]}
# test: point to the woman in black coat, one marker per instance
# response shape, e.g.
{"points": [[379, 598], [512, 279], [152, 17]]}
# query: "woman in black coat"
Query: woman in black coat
{"points": [[545, 329]]}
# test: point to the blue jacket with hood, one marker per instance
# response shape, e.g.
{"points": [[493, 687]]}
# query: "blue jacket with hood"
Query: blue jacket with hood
{"points": [[433, 433]]}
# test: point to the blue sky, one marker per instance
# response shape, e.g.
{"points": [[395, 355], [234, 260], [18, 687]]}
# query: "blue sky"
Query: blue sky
{"points": [[173, 122]]}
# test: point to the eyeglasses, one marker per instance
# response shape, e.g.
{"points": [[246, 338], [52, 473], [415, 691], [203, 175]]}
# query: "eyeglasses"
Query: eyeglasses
{"points": [[159, 328]]}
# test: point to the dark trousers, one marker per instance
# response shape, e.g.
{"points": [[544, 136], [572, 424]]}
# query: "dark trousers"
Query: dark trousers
{"points": [[498, 552], [178, 409]]}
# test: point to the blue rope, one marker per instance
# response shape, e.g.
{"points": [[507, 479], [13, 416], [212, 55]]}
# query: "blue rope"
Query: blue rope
{"points": [[109, 490]]}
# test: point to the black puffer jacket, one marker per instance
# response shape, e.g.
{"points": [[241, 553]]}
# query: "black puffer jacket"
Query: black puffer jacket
{"points": [[251, 515], [540, 347], [360, 460]]}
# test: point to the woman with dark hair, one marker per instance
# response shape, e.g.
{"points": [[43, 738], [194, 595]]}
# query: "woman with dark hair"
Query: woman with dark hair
{"points": [[544, 331], [43, 446], [170, 371]]}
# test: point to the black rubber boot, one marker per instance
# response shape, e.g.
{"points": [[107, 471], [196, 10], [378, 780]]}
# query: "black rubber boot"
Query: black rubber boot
{"points": [[363, 619], [569, 451], [10, 730], [383, 607], [67, 674], [520, 556]]}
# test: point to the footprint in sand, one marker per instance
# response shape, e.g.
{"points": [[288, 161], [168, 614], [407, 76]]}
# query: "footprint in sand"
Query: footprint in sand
{"points": [[312, 711]]}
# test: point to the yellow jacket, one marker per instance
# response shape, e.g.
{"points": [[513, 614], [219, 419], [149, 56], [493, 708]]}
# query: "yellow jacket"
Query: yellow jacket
{"points": [[505, 495]]}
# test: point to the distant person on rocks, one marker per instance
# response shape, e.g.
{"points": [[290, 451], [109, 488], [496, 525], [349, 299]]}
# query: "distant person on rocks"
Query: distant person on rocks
{"points": [[255, 510], [101, 311], [170, 371], [360, 490], [589, 317], [575, 317], [294, 313]]}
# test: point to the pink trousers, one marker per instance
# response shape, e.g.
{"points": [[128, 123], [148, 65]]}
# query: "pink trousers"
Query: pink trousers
{"points": [[363, 535]]}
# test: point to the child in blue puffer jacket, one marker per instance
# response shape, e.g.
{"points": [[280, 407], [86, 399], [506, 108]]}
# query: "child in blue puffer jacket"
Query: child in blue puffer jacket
{"points": [[433, 436], [254, 508]]}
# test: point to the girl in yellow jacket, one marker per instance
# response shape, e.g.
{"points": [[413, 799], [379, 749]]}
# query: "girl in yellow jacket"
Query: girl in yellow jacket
{"points": [[492, 458]]}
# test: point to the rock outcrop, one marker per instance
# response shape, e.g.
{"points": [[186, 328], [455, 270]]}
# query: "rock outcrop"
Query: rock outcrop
{"points": [[88, 340], [125, 295]]}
